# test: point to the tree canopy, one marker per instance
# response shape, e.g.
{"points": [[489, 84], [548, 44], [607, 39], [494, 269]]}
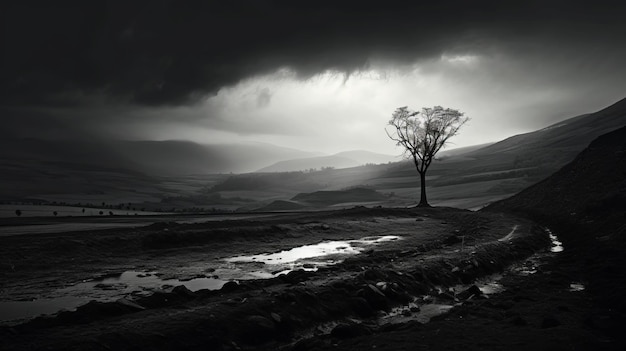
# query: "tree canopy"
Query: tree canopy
{"points": [[422, 134]]}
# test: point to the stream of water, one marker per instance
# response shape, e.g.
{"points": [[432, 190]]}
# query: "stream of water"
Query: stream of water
{"points": [[423, 308]]}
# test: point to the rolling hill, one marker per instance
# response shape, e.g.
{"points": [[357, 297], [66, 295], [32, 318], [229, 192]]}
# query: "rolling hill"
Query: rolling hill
{"points": [[555, 145], [97, 170], [344, 159], [589, 192], [59, 170], [139, 171], [175, 158], [471, 177], [504, 168], [584, 203]]}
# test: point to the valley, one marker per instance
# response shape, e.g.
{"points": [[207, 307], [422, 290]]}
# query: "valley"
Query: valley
{"points": [[312, 175]]}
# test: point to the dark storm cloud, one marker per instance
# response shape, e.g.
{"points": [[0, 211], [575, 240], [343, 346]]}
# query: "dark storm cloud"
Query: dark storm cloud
{"points": [[174, 52]]}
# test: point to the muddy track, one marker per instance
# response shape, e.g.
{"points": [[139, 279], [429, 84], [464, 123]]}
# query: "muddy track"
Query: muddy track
{"points": [[440, 248]]}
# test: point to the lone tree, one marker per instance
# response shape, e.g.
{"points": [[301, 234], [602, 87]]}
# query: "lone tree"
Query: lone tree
{"points": [[423, 134]]}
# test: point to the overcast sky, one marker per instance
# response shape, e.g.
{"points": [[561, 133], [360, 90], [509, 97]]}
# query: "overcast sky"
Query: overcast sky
{"points": [[311, 75]]}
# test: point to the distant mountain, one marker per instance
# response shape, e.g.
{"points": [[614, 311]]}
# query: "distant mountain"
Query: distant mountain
{"points": [[344, 159], [302, 164], [95, 170], [173, 157], [365, 157], [52, 169]]}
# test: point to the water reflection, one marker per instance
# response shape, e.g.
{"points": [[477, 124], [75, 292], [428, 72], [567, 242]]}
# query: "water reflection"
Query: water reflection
{"points": [[110, 288], [576, 287], [413, 312], [21, 310], [326, 248], [137, 284], [557, 246]]}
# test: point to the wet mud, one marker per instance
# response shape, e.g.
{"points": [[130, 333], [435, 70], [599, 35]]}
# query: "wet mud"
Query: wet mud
{"points": [[442, 264]]}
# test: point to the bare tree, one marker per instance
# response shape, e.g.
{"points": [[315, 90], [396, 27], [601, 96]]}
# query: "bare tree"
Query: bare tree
{"points": [[422, 134]]}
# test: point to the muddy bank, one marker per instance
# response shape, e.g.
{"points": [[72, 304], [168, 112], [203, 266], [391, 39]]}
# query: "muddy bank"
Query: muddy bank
{"points": [[545, 302], [440, 248], [537, 312]]}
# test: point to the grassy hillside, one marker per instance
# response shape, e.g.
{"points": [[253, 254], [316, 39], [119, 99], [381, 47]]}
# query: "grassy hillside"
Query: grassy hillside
{"points": [[155, 172], [589, 192], [502, 169], [469, 178], [585, 204]]}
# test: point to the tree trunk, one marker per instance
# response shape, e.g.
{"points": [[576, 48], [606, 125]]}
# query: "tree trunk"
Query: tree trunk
{"points": [[423, 201]]}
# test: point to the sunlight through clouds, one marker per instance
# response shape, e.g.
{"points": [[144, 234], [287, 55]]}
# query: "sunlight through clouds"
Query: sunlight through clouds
{"points": [[335, 111], [460, 59]]}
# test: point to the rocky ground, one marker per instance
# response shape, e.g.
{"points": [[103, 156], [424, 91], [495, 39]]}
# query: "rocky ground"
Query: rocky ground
{"points": [[380, 299]]}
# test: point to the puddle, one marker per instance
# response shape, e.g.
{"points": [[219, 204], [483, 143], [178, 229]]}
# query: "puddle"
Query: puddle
{"points": [[326, 248], [16, 311], [557, 246], [129, 283], [133, 281], [431, 310], [310, 257], [488, 285], [491, 287], [528, 267], [432, 306], [137, 284], [576, 287], [414, 312]]}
